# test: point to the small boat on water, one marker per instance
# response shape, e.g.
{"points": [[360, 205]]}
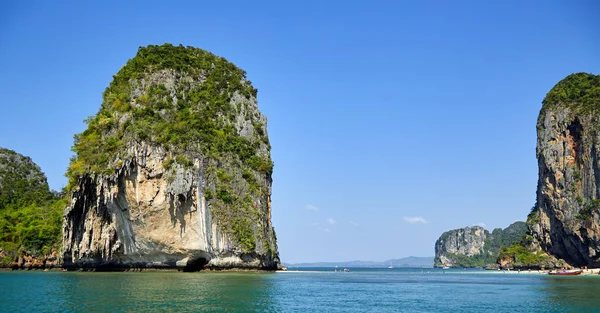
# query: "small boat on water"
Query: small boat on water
{"points": [[565, 273]]}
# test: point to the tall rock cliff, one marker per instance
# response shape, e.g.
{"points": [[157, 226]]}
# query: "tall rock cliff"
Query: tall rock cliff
{"points": [[475, 246], [453, 244], [565, 219], [174, 171]]}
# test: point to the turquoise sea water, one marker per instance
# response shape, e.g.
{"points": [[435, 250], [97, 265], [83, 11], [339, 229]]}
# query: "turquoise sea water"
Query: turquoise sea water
{"points": [[361, 290]]}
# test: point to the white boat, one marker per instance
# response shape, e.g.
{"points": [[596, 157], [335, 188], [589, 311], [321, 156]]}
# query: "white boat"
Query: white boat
{"points": [[446, 267], [390, 265]]}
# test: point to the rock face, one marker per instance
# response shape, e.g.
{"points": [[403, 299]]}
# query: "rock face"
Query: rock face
{"points": [[27, 261], [565, 219], [468, 241], [174, 171], [18, 169], [475, 246]]}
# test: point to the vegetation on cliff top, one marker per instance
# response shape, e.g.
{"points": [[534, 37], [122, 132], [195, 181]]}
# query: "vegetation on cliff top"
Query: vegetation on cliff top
{"points": [[505, 237], [195, 116], [30, 215], [186, 100], [578, 91]]}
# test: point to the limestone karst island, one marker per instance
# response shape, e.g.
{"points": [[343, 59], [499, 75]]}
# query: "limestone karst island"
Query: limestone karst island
{"points": [[173, 172], [300, 157], [563, 226]]}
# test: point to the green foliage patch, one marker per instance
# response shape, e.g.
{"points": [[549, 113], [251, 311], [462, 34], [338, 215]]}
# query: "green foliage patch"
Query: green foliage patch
{"points": [[193, 116], [588, 209], [521, 255], [36, 228], [578, 91], [30, 215], [534, 216], [21, 181]]}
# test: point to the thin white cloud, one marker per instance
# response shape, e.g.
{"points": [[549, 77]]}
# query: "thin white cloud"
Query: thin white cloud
{"points": [[353, 223], [415, 219], [482, 224], [311, 207], [320, 228], [331, 221]]}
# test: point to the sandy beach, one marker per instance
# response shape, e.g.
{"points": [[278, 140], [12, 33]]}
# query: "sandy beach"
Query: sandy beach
{"points": [[586, 272]]}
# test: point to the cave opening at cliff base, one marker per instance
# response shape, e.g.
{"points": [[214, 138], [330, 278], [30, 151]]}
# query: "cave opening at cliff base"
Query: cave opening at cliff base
{"points": [[195, 265]]}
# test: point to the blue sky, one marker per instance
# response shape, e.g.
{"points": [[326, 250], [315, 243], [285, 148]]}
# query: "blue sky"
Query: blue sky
{"points": [[390, 121]]}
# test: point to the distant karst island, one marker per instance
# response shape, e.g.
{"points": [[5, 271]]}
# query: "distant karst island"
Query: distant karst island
{"points": [[475, 246]]}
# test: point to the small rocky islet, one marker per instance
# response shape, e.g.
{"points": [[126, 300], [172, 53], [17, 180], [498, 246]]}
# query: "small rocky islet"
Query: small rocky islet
{"points": [[174, 172]]}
